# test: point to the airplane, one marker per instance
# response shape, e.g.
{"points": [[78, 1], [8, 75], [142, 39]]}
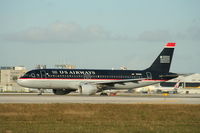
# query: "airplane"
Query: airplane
{"points": [[160, 89], [92, 81]]}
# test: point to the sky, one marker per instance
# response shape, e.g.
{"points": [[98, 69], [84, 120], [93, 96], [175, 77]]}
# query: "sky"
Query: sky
{"points": [[99, 34]]}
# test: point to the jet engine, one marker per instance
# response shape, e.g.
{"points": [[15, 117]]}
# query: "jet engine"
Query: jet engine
{"points": [[62, 91], [88, 89]]}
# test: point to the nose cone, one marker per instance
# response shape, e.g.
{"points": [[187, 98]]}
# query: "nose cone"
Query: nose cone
{"points": [[21, 82]]}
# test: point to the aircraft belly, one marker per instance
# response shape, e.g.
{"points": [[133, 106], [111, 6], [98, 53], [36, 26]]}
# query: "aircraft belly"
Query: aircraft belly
{"points": [[51, 84], [63, 84], [74, 84]]}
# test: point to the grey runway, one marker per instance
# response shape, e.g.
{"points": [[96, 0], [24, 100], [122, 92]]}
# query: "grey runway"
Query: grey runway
{"points": [[31, 99]]}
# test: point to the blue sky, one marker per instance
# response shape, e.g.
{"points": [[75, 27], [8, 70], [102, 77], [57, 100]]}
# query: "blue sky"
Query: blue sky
{"points": [[99, 33]]}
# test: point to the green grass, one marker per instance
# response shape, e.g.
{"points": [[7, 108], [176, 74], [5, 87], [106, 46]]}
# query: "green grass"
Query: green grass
{"points": [[99, 118]]}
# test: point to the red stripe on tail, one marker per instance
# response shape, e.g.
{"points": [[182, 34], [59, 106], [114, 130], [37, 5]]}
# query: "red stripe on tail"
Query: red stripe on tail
{"points": [[170, 45]]}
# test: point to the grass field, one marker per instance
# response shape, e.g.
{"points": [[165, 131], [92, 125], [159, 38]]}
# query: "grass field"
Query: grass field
{"points": [[99, 118]]}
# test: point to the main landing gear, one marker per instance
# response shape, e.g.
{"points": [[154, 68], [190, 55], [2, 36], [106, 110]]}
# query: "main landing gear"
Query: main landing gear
{"points": [[40, 91], [108, 94], [103, 94]]}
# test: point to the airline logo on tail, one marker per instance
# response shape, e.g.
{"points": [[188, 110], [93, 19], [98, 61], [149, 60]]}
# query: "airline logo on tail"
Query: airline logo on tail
{"points": [[165, 58]]}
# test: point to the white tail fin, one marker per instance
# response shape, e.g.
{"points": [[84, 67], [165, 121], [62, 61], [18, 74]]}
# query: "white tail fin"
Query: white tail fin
{"points": [[177, 85]]}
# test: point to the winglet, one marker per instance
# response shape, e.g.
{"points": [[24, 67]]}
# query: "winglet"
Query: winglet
{"points": [[170, 45]]}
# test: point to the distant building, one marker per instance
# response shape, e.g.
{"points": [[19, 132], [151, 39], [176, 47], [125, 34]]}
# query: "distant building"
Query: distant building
{"points": [[123, 68], [65, 66], [190, 81], [41, 67], [8, 79], [188, 84]]}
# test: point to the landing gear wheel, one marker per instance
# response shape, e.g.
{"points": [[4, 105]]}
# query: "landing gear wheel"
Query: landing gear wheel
{"points": [[103, 94], [40, 92]]}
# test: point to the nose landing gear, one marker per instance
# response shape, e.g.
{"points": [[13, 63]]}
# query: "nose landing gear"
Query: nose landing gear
{"points": [[40, 91]]}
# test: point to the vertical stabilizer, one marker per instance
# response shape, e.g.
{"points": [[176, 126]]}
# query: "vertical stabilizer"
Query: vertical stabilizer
{"points": [[163, 61]]}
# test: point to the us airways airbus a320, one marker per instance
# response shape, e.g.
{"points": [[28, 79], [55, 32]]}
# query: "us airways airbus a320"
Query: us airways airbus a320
{"points": [[91, 81]]}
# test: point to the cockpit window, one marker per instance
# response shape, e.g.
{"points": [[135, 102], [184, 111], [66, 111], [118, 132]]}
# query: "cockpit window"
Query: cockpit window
{"points": [[25, 75], [31, 74]]}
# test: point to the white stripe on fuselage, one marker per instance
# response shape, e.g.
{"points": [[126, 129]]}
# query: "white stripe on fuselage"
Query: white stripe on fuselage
{"points": [[75, 83]]}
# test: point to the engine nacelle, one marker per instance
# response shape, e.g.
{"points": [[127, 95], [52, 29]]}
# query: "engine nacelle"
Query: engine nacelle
{"points": [[62, 91], [88, 89]]}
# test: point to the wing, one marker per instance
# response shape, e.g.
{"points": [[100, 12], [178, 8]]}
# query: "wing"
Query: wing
{"points": [[104, 85]]}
